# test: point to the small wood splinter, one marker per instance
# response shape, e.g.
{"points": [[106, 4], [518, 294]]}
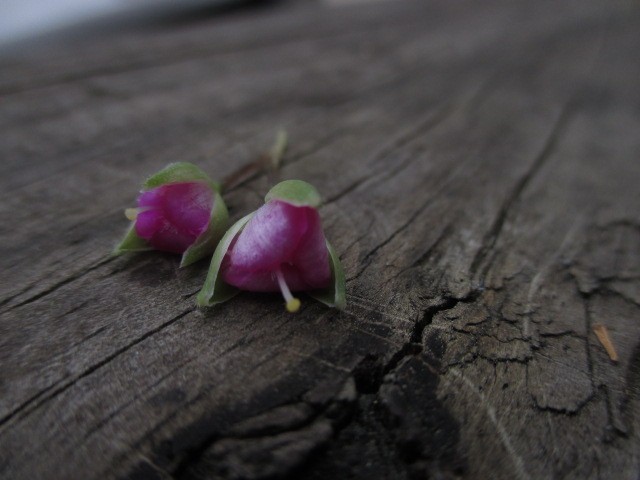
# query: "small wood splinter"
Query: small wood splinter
{"points": [[603, 336]]}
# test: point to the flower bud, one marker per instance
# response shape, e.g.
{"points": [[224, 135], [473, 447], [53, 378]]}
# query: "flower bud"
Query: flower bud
{"points": [[179, 211], [279, 248]]}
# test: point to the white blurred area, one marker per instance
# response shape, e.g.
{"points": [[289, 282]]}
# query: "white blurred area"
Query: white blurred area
{"points": [[23, 19]]}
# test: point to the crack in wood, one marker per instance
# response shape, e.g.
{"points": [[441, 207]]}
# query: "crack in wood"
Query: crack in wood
{"points": [[56, 286], [491, 237], [33, 403]]}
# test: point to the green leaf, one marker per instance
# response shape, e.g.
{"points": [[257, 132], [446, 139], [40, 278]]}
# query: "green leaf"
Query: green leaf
{"points": [[215, 290], [177, 173], [334, 296], [206, 243], [295, 192], [131, 242]]}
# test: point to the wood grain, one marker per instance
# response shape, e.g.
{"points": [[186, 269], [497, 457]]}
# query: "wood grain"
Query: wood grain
{"points": [[479, 167]]}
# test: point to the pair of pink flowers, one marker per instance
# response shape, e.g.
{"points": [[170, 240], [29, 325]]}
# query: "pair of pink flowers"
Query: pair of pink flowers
{"points": [[279, 247]]}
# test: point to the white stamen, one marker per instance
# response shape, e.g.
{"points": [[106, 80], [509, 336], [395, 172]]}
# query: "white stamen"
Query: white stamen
{"points": [[293, 304]]}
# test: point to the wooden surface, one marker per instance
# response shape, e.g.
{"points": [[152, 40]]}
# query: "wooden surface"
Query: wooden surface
{"points": [[480, 164]]}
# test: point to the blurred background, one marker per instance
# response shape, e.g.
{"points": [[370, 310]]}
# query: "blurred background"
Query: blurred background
{"points": [[27, 21]]}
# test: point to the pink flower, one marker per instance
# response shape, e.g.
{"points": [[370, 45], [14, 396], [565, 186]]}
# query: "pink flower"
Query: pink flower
{"points": [[171, 217], [179, 211], [282, 248], [279, 248]]}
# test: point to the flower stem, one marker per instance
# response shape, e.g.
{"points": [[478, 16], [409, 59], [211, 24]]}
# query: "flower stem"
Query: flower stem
{"points": [[293, 304], [277, 151]]}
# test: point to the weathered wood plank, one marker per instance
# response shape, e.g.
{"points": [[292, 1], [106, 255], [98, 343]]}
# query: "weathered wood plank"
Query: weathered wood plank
{"points": [[479, 168]]}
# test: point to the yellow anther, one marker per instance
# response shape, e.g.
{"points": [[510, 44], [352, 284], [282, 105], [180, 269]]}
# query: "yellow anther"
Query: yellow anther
{"points": [[293, 305], [131, 213]]}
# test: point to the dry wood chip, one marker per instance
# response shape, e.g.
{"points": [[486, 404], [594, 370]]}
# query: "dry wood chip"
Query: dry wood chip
{"points": [[603, 335]]}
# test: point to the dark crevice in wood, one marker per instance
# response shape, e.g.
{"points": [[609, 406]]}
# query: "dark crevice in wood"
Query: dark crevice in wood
{"points": [[335, 411], [26, 403], [96, 332], [413, 347], [190, 294], [569, 412], [369, 372], [427, 318], [588, 324], [78, 307], [385, 406], [200, 427], [408, 349], [10, 298], [369, 376], [498, 360]]}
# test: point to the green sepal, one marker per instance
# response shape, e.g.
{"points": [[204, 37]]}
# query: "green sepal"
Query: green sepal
{"points": [[206, 243], [177, 173], [335, 295], [215, 290], [131, 243], [295, 192]]}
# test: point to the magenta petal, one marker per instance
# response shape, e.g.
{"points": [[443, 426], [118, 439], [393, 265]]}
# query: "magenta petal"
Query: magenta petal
{"points": [[188, 206], [173, 216], [282, 237], [270, 237], [148, 222], [311, 256], [152, 198]]}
